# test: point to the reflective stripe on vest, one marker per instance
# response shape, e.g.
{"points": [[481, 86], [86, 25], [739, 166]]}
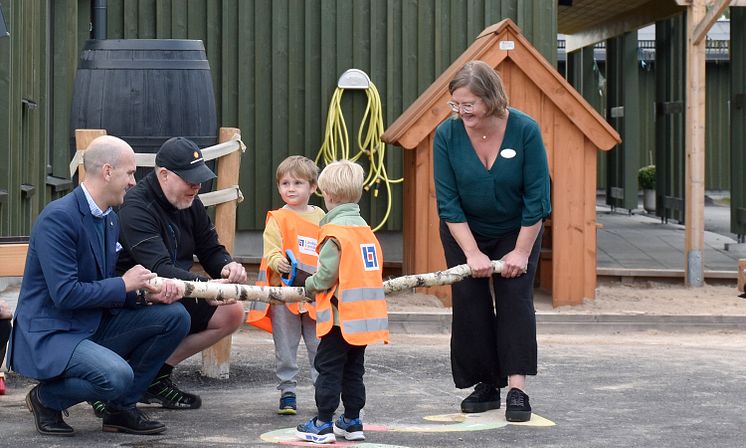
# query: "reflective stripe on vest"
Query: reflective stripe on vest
{"points": [[360, 294], [365, 325], [323, 316], [261, 276], [363, 317], [295, 231]]}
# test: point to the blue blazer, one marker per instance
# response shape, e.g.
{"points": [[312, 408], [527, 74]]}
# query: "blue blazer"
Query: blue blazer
{"points": [[66, 287]]}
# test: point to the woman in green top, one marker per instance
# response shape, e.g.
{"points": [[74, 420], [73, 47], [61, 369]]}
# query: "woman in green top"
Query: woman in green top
{"points": [[492, 186]]}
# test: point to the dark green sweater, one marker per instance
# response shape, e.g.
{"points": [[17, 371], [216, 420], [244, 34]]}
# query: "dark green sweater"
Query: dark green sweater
{"points": [[494, 202]]}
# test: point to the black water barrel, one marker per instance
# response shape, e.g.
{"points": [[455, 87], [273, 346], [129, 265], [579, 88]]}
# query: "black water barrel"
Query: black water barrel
{"points": [[145, 91]]}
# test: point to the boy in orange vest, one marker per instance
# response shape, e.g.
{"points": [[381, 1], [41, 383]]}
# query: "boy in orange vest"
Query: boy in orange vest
{"points": [[350, 306], [294, 227]]}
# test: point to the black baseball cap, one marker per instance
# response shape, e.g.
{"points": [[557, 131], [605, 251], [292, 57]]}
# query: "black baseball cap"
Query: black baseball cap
{"points": [[183, 157]]}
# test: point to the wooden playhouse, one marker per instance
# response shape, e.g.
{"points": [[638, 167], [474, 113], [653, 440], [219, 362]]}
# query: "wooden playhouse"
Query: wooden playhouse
{"points": [[573, 132]]}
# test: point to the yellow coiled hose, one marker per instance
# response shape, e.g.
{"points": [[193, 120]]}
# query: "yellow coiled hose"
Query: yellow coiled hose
{"points": [[336, 144]]}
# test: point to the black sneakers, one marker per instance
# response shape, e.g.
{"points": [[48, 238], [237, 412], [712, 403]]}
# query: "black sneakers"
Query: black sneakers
{"points": [[99, 408], [485, 397], [518, 409], [165, 392]]}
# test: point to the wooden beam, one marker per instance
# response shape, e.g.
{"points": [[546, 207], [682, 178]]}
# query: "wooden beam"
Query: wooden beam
{"points": [[13, 259], [216, 360], [83, 138], [631, 20], [713, 14], [694, 188]]}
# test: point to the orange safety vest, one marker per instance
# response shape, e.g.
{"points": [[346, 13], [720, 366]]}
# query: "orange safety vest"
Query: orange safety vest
{"points": [[363, 317], [300, 236]]}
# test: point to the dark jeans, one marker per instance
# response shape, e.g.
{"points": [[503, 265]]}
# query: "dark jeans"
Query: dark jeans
{"points": [[120, 360], [492, 339], [341, 367]]}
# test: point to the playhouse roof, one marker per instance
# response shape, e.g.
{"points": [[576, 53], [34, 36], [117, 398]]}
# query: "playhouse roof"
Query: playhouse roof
{"points": [[496, 44]]}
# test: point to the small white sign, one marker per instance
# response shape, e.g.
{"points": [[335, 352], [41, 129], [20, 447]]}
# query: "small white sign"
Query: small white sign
{"points": [[507, 45], [507, 153], [307, 245]]}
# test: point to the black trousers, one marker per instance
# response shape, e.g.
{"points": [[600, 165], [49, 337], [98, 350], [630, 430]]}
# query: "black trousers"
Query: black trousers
{"points": [[5, 327], [491, 340], [341, 367]]}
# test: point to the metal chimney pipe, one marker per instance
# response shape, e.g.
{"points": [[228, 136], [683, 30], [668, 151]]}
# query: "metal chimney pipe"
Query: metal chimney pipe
{"points": [[99, 19]]}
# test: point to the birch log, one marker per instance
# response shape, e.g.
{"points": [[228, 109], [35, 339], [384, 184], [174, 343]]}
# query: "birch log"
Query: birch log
{"points": [[286, 294], [226, 291], [447, 277]]}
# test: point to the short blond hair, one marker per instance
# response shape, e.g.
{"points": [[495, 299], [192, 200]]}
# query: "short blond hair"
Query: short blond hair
{"points": [[299, 167], [342, 181]]}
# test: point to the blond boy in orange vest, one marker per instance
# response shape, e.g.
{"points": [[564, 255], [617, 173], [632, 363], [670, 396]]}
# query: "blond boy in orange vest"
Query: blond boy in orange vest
{"points": [[294, 227], [350, 306]]}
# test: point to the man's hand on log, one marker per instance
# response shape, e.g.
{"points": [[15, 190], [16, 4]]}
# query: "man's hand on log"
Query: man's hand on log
{"points": [[170, 292], [234, 272], [215, 302], [137, 277]]}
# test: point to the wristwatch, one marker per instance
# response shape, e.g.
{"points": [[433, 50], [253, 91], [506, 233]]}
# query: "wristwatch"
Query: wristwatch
{"points": [[141, 300]]}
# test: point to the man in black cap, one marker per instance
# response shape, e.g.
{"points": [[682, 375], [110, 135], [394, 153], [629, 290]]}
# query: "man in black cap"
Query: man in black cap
{"points": [[163, 225]]}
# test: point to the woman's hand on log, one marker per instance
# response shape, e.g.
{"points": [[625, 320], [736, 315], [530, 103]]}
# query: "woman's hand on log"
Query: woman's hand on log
{"points": [[515, 264], [479, 263]]}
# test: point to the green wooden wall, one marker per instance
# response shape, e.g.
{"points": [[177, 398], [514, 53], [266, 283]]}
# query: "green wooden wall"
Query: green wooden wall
{"points": [[275, 65], [718, 109]]}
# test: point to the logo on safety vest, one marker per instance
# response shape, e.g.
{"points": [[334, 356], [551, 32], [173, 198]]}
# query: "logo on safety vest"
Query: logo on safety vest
{"points": [[370, 257], [307, 245]]}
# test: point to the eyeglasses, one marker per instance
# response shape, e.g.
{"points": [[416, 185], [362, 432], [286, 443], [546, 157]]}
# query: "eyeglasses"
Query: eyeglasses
{"points": [[467, 108]]}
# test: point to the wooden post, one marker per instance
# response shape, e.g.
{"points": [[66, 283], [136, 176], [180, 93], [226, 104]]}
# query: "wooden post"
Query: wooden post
{"points": [[694, 189], [83, 138], [216, 359], [741, 274]]}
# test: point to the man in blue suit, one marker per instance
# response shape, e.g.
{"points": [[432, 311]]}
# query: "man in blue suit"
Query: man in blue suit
{"points": [[82, 332]]}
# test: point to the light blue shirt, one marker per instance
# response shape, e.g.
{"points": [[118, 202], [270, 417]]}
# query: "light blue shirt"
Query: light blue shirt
{"points": [[95, 210]]}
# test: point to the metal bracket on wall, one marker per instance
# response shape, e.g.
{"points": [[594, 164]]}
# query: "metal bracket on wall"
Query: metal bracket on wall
{"points": [[669, 107], [59, 184], [27, 191], [354, 79], [29, 104]]}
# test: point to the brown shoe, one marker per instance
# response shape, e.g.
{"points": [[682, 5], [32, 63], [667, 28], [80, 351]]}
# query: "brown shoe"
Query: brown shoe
{"points": [[48, 421]]}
